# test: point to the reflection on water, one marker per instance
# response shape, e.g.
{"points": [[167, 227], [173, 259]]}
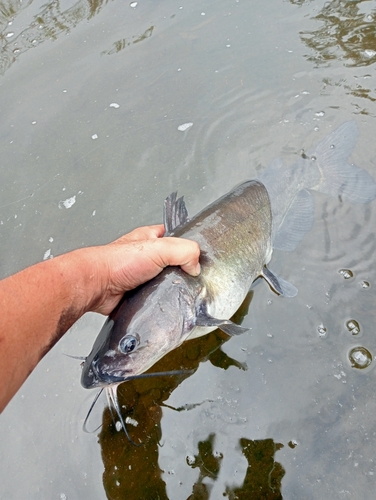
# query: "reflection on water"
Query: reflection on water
{"points": [[345, 33], [142, 401], [208, 463], [264, 475], [125, 42], [51, 21], [48, 24], [136, 468]]}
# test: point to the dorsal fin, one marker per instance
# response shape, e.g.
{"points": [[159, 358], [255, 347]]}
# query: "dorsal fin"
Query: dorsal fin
{"points": [[174, 212]]}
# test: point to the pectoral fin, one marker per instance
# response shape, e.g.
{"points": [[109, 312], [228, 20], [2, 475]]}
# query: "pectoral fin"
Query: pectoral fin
{"points": [[226, 325], [174, 213], [278, 284]]}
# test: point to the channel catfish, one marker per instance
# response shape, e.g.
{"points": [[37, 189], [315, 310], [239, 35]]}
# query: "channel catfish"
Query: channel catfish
{"points": [[236, 234]]}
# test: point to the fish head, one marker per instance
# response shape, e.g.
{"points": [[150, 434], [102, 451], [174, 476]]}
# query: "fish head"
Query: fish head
{"points": [[149, 322]]}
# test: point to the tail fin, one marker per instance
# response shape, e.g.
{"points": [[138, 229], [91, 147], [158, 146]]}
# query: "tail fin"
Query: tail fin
{"points": [[338, 177]]}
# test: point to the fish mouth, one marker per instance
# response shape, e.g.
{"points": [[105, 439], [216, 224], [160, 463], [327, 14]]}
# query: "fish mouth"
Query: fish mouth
{"points": [[91, 377]]}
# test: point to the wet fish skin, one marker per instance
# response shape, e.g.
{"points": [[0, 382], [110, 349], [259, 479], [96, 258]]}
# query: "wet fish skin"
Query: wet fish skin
{"points": [[234, 234]]}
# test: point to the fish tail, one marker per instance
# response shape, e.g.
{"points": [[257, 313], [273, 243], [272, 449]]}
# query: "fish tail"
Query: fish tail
{"points": [[337, 176]]}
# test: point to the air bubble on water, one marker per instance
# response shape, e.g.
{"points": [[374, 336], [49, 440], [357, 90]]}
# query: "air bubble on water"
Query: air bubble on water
{"points": [[316, 129], [133, 5], [94, 136], [369, 53], [50, 239], [313, 158], [364, 284], [360, 357], [353, 327], [114, 105], [320, 113], [118, 426], [322, 331], [346, 273], [63, 496], [131, 421], [269, 302], [332, 146]]}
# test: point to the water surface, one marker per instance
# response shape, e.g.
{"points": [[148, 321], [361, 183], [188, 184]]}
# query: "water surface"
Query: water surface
{"points": [[93, 97]]}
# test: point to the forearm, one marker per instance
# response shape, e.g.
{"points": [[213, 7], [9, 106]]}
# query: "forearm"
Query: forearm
{"points": [[38, 305]]}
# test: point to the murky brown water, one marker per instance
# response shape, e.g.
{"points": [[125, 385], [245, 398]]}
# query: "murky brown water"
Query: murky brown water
{"points": [[93, 97]]}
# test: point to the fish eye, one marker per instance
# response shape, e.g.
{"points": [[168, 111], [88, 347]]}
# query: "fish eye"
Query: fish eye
{"points": [[127, 344]]}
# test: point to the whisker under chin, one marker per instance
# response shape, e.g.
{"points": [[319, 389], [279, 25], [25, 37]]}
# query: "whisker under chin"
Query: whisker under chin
{"points": [[160, 374], [113, 402], [84, 426]]}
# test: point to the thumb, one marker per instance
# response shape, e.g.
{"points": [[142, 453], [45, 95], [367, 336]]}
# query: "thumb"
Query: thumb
{"points": [[180, 252]]}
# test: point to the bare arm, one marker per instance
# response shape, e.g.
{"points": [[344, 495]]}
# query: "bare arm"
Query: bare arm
{"points": [[39, 304]]}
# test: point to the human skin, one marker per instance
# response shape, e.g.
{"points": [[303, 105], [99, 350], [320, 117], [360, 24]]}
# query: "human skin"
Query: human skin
{"points": [[39, 304]]}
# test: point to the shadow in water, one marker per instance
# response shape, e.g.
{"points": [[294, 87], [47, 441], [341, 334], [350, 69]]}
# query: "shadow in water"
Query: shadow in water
{"points": [[133, 471], [263, 477]]}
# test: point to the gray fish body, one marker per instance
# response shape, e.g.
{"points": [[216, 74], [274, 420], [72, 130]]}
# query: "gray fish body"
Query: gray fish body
{"points": [[236, 235]]}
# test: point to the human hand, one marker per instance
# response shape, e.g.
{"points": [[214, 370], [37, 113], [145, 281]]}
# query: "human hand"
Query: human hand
{"points": [[134, 259]]}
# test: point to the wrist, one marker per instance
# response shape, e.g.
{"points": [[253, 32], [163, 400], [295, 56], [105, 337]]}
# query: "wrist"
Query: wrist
{"points": [[87, 277]]}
